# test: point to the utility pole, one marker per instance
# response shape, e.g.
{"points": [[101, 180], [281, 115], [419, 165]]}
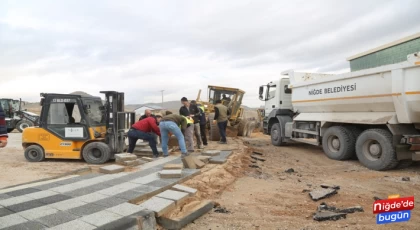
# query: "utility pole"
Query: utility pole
{"points": [[162, 97]]}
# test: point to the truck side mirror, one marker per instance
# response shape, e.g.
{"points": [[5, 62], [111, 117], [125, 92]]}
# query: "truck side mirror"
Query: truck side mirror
{"points": [[261, 91], [287, 90], [41, 103]]}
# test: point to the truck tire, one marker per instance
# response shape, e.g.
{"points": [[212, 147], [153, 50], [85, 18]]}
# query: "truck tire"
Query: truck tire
{"points": [[402, 164], [214, 134], [338, 143], [34, 153], [96, 153], [355, 131], [375, 151], [243, 128], [276, 135], [23, 124]]}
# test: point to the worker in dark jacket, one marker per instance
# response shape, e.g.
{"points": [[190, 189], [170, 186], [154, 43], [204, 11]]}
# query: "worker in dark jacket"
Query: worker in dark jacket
{"points": [[221, 114], [174, 124], [203, 122], [3, 128], [191, 111], [141, 130]]}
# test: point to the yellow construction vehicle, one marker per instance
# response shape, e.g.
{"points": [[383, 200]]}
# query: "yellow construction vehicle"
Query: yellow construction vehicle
{"points": [[78, 127], [232, 98]]}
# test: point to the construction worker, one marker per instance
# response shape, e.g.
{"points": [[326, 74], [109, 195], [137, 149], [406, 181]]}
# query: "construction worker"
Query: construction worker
{"points": [[173, 124], [148, 113], [191, 112], [141, 130], [221, 118], [3, 128], [203, 122]]}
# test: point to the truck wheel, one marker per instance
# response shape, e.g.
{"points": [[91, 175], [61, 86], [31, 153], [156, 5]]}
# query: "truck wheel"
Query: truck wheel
{"points": [[402, 164], [214, 134], [355, 131], [23, 124], [96, 153], [375, 150], [34, 153], [276, 135], [243, 128], [338, 143]]}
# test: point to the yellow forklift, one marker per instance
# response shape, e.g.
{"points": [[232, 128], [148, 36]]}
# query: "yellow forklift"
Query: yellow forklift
{"points": [[79, 127]]}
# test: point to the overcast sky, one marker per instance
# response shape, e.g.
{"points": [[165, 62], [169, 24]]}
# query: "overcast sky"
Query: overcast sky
{"points": [[142, 47]]}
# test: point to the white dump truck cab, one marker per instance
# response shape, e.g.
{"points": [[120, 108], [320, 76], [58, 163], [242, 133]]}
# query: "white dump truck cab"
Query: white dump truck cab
{"points": [[373, 114]]}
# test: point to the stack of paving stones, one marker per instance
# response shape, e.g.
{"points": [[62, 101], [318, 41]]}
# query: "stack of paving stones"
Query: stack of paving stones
{"points": [[143, 149], [217, 156], [128, 159], [93, 201]]}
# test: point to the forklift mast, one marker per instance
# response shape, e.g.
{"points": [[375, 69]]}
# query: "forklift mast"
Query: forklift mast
{"points": [[117, 120]]}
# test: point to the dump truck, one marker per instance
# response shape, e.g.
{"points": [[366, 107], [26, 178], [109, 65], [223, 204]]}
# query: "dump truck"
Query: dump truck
{"points": [[372, 114]]}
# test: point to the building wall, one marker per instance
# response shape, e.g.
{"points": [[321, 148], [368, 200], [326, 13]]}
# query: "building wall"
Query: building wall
{"points": [[391, 55]]}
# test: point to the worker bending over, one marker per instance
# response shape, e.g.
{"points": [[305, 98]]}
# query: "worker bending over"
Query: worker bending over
{"points": [[142, 130], [174, 124], [3, 128], [221, 114]]}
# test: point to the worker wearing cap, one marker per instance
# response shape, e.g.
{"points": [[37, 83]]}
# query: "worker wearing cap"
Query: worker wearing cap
{"points": [[3, 128], [142, 130], [173, 124], [203, 122], [191, 113]]}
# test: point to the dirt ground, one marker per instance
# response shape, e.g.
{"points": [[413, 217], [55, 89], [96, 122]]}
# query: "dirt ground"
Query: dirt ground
{"points": [[270, 198]]}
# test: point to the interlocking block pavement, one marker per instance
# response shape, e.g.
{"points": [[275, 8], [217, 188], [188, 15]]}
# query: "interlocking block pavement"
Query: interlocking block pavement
{"points": [[126, 209], [176, 196], [101, 218], [39, 212], [159, 205], [112, 169], [15, 200], [118, 189], [74, 225], [56, 219], [183, 188], [10, 220], [86, 209], [174, 173], [173, 166], [5, 212], [89, 198], [67, 204], [22, 192], [146, 179], [110, 201]]}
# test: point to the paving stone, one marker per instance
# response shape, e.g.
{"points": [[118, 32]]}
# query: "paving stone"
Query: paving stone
{"points": [[188, 162], [25, 206], [41, 194], [14, 200], [210, 152], [47, 186], [74, 225], [87, 190], [125, 157], [146, 179], [204, 159], [161, 184], [100, 218], [147, 189], [54, 199], [146, 220], [132, 195], [148, 159], [198, 163], [4, 196], [183, 188], [91, 175], [217, 160], [39, 212], [173, 166], [55, 219], [174, 173], [110, 201], [112, 169], [10, 220], [131, 163], [176, 196], [319, 194], [29, 225], [158, 205], [125, 209], [327, 215], [86, 209], [67, 204], [117, 181], [22, 192], [226, 153], [118, 189], [5, 212], [69, 181], [89, 198]]}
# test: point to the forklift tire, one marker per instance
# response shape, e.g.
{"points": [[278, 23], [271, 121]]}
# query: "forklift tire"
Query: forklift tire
{"points": [[34, 153], [96, 153], [23, 124]]}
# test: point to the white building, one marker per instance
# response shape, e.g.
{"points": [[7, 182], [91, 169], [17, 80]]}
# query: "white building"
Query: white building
{"points": [[140, 111]]}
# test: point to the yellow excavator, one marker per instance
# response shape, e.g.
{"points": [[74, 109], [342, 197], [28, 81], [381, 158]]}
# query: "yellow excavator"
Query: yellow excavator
{"points": [[238, 125], [78, 127]]}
